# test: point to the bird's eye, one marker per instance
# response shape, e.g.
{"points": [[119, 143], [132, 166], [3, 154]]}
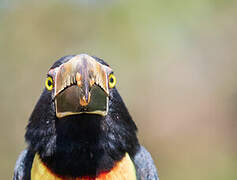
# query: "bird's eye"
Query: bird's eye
{"points": [[112, 80], [49, 83]]}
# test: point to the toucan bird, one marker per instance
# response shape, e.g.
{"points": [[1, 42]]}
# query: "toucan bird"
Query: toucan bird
{"points": [[80, 128]]}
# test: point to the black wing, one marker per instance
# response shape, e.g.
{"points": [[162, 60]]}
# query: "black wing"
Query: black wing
{"points": [[145, 167], [23, 165]]}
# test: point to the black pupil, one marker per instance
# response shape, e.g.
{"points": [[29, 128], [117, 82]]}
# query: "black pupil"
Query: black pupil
{"points": [[111, 79], [49, 83]]}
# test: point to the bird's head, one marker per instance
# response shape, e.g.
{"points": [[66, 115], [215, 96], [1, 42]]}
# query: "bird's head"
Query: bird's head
{"points": [[80, 114], [80, 85]]}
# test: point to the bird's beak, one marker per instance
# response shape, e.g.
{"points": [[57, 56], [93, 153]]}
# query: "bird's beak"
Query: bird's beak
{"points": [[81, 86]]}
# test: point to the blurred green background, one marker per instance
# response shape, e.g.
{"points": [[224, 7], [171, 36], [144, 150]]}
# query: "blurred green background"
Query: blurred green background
{"points": [[175, 61]]}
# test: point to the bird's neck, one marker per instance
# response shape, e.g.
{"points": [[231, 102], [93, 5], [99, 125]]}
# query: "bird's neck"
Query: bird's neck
{"points": [[82, 148], [85, 147]]}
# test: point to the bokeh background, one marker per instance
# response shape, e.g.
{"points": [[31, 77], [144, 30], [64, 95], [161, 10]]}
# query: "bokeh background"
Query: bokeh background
{"points": [[175, 61]]}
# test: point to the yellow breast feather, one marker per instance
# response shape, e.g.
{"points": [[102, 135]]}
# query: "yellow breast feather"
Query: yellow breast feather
{"points": [[123, 170]]}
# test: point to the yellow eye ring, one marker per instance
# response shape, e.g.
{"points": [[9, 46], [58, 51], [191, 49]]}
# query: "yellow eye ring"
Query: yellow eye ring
{"points": [[49, 83], [112, 80]]}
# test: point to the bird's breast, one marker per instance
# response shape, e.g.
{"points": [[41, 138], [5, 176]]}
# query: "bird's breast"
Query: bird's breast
{"points": [[123, 170]]}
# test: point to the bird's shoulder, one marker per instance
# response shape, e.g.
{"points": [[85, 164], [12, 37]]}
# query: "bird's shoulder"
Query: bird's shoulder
{"points": [[23, 165], [145, 167]]}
